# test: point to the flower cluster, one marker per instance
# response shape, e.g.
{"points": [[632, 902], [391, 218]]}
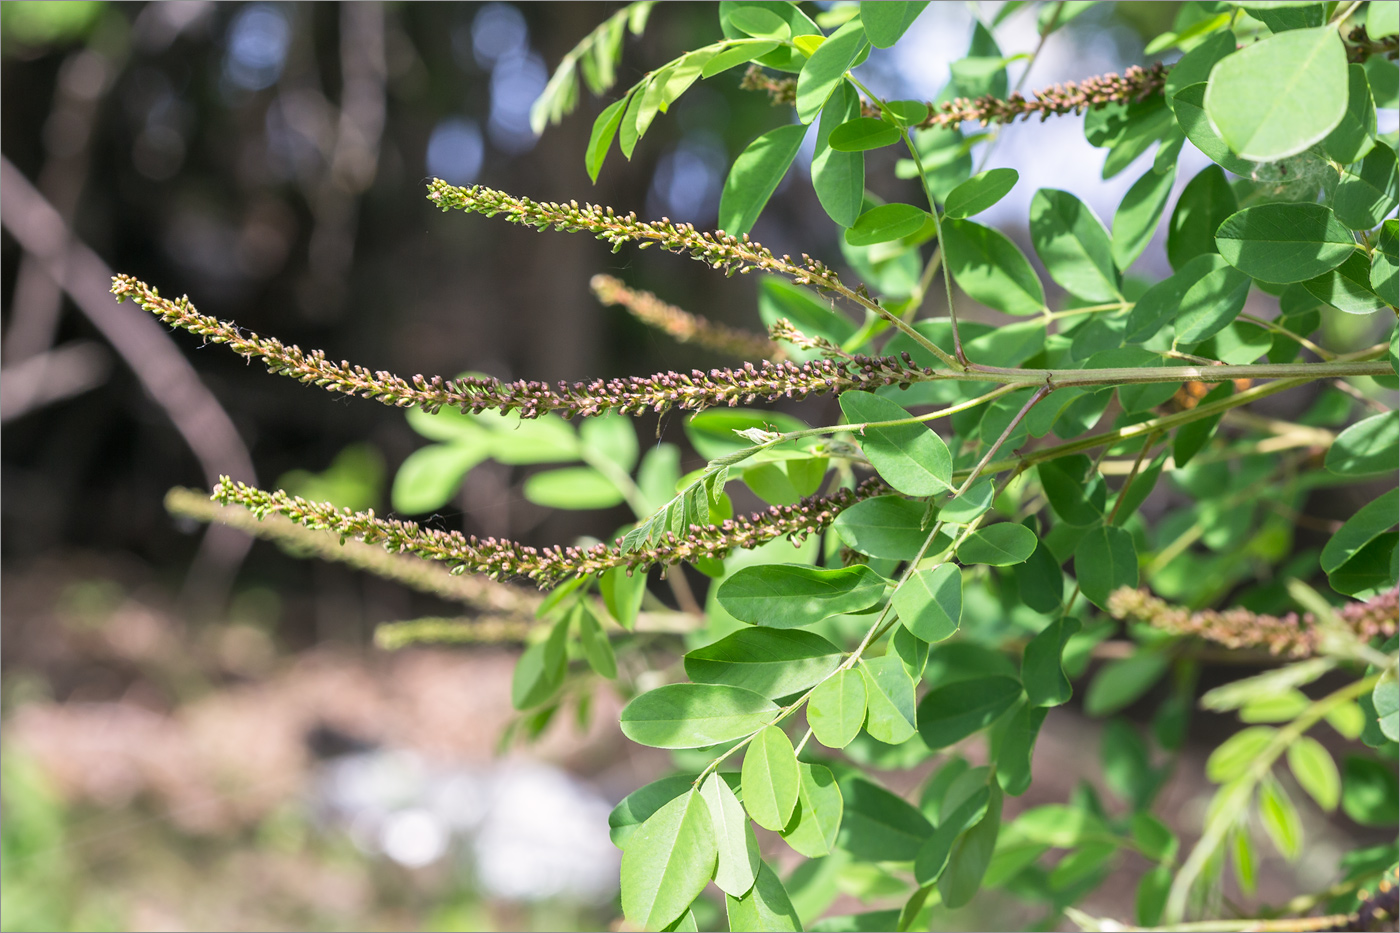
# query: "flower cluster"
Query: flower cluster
{"points": [[682, 325], [695, 391], [1288, 636], [500, 559], [501, 601], [1136, 83], [719, 250]]}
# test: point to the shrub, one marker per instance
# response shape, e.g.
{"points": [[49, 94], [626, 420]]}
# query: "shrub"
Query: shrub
{"points": [[927, 608]]}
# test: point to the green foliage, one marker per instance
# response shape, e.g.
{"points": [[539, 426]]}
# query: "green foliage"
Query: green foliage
{"points": [[1001, 526]]}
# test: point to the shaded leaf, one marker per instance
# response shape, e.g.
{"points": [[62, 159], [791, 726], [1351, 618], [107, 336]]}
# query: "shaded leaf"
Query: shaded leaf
{"points": [[773, 662], [793, 595], [755, 176], [950, 713]]}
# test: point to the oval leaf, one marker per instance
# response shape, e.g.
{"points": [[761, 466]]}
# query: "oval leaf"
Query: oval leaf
{"points": [[980, 192], [694, 715], [836, 709], [738, 847], [1277, 97], [668, 862], [755, 177], [1284, 242], [1074, 245], [773, 662], [770, 778], [951, 713], [909, 457], [863, 133], [886, 20], [816, 819], [826, 67], [991, 269], [929, 602], [886, 222], [998, 546], [793, 595]]}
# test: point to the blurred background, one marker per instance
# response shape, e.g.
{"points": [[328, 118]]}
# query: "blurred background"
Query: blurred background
{"points": [[198, 733]]}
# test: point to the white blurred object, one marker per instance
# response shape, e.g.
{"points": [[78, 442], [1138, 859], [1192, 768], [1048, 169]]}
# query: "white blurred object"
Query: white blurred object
{"points": [[532, 831]]}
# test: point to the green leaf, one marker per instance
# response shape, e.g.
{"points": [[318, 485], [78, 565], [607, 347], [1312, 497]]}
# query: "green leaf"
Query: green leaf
{"points": [[1039, 581], [1119, 683], [1160, 303], [1233, 757], [1283, 15], [1042, 666], [668, 862], [694, 715], [1371, 572], [1074, 245], [887, 20], [962, 814], [1382, 19], [973, 504], [912, 650], [999, 545], [1280, 819], [600, 140], [637, 807], [1347, 287], [759, 23], [950, 713], [991, 269], [836, 709], [540, 671], [816, 820], [773, 662], [1277, 97], [889, 700], [1315, 771], [839, 177], [737, 846], [1190, 438], [980, 192], [826, 67], [1366, 196], [755, 176], [766, 906], [972, 853], [909, 457], [929, 602], [877, 826], [782, 58], [770, 778], [430, 476], [596, 647], [1152, 891], [779, 298], [1204, 205], [1016, 746], [1356, 134], [1074, 489], [1385, 270], [1369, 792], [1137, 217], [1196, 65], [862, 133], [1189, 106], [736, 55], [572, 488], [1284, 242], [1369, 522], [1369, 446], [1211, 304], [886, 222], [622, 594], [1385, 698], [793, 595], [889, 527]]}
